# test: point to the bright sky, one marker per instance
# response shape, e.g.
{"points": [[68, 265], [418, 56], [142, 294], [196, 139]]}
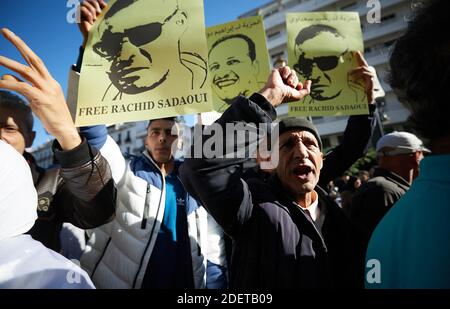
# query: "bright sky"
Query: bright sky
{"points": [[43, 25]]}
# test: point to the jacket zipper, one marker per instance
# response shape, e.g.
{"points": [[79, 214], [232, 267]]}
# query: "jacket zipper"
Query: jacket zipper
{"points": [[146, 208], [197, 219]]}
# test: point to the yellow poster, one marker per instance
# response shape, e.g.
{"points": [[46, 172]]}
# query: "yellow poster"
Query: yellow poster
{"points": [[238, 59], [321, 47], [144, 60]]}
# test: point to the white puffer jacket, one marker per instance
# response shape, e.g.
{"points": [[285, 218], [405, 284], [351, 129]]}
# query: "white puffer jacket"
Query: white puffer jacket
{"points": [[117, 253]]}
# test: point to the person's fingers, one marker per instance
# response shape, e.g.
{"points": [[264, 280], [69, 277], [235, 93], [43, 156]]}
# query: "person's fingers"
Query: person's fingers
{"points": [[306, 85], [86, 15], [103, 4], [27, 53], [362, 70], [92, 11], [292, 79], [303, 93], [11, 78], [360, 59], [20, 87], [300, 92], [284, 72], [26, 72], [96, 5]]}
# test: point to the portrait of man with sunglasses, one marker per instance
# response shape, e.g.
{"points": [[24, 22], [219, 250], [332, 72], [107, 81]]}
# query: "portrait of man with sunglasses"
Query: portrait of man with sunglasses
{"points": [[147, 56], [327, 68]]}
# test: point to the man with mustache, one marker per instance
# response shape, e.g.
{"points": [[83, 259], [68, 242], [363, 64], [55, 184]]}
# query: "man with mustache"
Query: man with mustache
{"points": [[144, 57], [325, 69], [286, 232]]}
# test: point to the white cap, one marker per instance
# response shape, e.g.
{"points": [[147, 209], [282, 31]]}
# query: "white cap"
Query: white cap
{"points": [[399, 143]]}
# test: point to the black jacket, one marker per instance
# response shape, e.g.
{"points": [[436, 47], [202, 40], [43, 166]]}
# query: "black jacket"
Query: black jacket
{"points": [[81, 192], [373, 200], [275, 244]]}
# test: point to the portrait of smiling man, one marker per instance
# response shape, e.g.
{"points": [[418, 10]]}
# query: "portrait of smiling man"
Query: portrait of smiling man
{"points": [[145, 56], [234, 67]]}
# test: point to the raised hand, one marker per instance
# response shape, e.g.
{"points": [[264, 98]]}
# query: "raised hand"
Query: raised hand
{"points": [[90, 10], [283, 86], [363, 77], [44, 94]]}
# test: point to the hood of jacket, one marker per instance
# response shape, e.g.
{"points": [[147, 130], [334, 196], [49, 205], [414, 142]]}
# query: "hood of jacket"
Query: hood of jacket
{"points": [[18, 197]]}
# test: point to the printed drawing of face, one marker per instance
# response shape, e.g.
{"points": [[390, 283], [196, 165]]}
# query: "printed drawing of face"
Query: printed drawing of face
{"points": [[141, 56], [326, 68], [233, 66]]}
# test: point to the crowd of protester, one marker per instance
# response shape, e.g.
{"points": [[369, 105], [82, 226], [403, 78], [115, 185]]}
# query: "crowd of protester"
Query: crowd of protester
{"points": [[227, 221]]}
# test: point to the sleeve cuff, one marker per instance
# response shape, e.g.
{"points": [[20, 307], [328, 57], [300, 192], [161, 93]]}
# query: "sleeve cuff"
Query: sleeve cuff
{"points": [[265, 105], [372, 108], [77, 67], [76, 157]]}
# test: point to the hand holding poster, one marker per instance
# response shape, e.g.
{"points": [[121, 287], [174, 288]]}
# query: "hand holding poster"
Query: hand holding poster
{"points": [[321, 47], [144, 60], [238, 59]]}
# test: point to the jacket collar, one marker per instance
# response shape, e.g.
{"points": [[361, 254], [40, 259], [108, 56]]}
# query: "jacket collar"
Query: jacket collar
{"points": [[152, 162], [286, 200], [391, 176], [36, 171]]}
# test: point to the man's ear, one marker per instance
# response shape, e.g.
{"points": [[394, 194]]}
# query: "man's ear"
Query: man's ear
{"points": [[418, 155], [29, 139], [255, 66], [322, 157]]}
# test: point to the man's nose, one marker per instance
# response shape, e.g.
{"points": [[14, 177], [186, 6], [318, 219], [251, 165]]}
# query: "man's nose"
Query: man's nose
{"points": [[300, 151], [128, 49], [162, 137], [221, 73]]}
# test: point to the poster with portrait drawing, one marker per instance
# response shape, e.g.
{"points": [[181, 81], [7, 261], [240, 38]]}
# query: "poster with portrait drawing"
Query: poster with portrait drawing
{"points": [[238, 59], [321, 48], [144, 60]]}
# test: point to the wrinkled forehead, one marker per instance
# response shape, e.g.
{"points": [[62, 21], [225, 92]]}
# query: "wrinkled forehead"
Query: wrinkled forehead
{"points": [[297, 134], [335, 45], [140, 12]]}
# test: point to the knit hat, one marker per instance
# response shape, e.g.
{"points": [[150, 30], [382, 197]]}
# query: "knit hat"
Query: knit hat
{"points": [[292, 123]]}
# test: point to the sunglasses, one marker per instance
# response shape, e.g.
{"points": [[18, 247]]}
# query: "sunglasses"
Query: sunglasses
{"points": [[110, 45], [304, 65]]}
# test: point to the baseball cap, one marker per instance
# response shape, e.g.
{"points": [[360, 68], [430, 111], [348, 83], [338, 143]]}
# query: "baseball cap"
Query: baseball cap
{"points": [[399, 143]]}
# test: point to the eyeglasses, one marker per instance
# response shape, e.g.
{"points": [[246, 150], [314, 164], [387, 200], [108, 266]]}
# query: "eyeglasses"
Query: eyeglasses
{"points": [[325, 63], [110, 45]]}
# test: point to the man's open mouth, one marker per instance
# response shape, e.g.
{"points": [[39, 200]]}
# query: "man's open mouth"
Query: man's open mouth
{"points": [[303, 171]]}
